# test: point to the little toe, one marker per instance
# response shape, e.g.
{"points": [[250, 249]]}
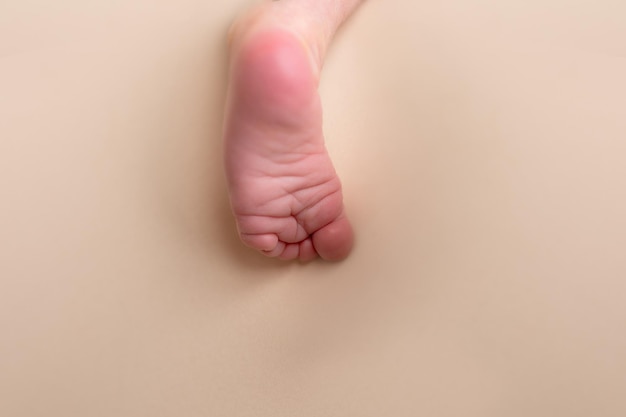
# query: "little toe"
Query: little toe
{"points": [[277, 251], [263, 242]]}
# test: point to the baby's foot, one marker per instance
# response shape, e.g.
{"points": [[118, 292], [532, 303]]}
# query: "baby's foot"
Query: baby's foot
{"points": [[284, 192]]}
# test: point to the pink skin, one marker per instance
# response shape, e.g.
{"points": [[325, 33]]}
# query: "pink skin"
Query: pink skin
{"points": [[285, 194]]}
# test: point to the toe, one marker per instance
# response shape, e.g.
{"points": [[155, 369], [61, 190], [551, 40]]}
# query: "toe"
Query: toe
{"points": [[291, 252], [334, 241], [276, 252], [264, 242], [307, 251]]}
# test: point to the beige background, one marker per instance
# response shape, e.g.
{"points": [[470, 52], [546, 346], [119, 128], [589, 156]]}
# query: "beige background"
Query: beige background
{"points": [[481, 145]]}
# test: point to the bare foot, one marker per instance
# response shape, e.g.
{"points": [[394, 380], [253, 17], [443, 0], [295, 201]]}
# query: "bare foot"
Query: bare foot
{"points": [[285, 194]]}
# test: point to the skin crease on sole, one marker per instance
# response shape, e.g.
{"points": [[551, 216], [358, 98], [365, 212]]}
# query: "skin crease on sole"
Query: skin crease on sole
{"points": [[284, 192]]}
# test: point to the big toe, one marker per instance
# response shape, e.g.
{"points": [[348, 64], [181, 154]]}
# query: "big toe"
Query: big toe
{"points": [[334, 241]]}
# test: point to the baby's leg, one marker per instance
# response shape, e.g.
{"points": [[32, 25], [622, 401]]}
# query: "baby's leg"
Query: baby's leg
{"points": [[285, 194]]}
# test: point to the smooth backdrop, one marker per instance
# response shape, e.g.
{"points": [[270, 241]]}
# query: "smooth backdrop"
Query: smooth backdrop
{"points": [[481, 146]]}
